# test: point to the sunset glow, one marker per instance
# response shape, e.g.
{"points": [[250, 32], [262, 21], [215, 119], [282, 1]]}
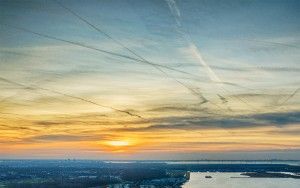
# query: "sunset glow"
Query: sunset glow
{"points": [[149, 79], [118, 143]]}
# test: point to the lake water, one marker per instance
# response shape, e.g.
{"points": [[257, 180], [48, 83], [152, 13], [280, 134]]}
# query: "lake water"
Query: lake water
{"points": [[224, 180]]}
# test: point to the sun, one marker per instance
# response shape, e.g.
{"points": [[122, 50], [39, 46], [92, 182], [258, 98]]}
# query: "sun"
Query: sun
{"points": [[118, 143]]}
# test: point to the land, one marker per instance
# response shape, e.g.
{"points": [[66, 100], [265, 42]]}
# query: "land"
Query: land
{"points": [[95, 174], [271, 175]]}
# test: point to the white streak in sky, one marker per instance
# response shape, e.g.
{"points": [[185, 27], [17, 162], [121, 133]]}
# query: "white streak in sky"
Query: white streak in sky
{"points": [[193, 49], [174, 10], [195, 52]]}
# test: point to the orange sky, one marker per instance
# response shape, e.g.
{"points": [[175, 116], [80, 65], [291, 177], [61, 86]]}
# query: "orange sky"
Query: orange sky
{"points": [[149, 79]]}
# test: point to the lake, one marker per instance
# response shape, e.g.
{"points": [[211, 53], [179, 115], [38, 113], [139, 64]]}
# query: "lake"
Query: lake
{"points": [[225, 180]]}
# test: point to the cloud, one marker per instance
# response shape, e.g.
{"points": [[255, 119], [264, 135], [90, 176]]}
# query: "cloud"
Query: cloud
{"points": [[65, 138], [49, 123], [70, 96], [194, 122], [23, 128]]}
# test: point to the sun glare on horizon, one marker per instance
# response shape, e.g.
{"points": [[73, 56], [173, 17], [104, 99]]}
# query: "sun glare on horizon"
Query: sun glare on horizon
{"points": [[150, 80], [118, 143]]}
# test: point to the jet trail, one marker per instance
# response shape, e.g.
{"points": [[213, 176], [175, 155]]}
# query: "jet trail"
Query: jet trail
{"points": [[97, 49], [272, 43], [97, 28], [195, 52], [17, 93], [70, 96], [222, 98], [192, 47], [191, 90], [157, 66], [193, 77], [128, 49], [109, 52], [290, 96]]}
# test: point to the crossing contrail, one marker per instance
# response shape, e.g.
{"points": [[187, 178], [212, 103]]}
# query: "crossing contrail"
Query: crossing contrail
{"points": [[193, 49], [138, 60], [125, 47], [157, 66], [70, 96], [97, 49], [289, 97]]}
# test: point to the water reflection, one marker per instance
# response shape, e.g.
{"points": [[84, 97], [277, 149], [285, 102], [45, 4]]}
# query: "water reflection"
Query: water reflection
{"points": [[235, 180]]}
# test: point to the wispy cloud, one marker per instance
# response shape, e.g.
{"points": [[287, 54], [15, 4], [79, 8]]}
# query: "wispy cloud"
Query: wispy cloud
{"points": [[228, 122], [193, 49], [165, 76]]}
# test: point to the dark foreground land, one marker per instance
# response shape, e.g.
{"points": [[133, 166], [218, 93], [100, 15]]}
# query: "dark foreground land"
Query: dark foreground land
{"points": [[84, 173], [271, 175]]}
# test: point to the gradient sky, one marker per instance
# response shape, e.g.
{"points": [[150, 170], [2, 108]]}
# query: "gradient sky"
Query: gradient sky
{"points": [[135, 79]]}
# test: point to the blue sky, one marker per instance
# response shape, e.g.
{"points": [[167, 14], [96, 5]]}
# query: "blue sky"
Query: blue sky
{"points": [[189, 68]]}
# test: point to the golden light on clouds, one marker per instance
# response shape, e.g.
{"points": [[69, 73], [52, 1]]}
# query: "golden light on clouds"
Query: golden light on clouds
{"points": [[140, 87]]}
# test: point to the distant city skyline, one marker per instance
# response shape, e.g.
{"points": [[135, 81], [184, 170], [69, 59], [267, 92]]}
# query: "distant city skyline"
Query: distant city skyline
{"points": [[155, 79]]}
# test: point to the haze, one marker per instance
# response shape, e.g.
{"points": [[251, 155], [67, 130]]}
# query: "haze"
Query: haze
{"points": [[149, 79]]}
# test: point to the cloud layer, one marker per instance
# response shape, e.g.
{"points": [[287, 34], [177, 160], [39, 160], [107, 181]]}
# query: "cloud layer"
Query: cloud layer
{"points": [[165, 77]]}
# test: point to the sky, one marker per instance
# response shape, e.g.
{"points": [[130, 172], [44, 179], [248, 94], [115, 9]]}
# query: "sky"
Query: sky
{"points": [[159, 79]]}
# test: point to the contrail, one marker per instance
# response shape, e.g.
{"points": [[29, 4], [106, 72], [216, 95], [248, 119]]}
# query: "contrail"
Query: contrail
{"points": [[70, 96], [271, 42], [290, 96], [139, 60], [175, 11], [18, 53], [192, 47], [193, 77], [222, 98], [96, 49], [124, 46], [97, 28], [17, 93], [195, 52], [192, 91], [109, 52], [157, 66]]}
